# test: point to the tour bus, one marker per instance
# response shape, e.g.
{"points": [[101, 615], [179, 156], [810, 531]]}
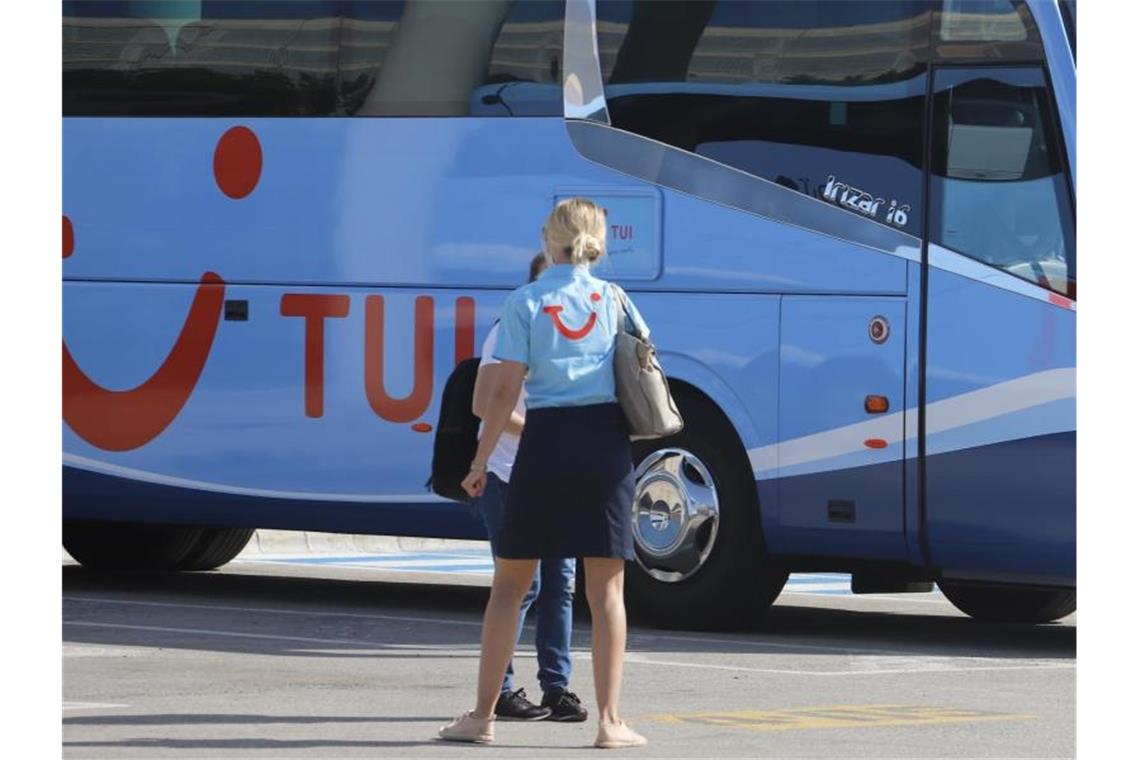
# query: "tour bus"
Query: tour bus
{"points": [[850, 226]]}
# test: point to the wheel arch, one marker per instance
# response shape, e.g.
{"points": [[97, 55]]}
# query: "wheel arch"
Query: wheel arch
{"points": [[691, 376], [727, 411]]}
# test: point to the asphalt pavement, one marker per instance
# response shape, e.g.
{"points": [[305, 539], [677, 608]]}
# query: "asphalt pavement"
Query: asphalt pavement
{"points": [[276, 658]]}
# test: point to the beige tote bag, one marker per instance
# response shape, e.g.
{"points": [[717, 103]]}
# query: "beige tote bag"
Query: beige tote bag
{"points": [[641, 386]]}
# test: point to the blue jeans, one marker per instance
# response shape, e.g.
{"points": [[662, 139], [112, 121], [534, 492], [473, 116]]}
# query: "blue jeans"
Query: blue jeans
{"points": [[551, 592]]}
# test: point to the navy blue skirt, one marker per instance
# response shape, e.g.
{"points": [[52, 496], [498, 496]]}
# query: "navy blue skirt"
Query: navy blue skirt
{"points": [[571, 487]]}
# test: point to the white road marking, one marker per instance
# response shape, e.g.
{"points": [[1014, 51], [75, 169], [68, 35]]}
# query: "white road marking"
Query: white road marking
{"points": [[465, 564], [485, 564], [478, 624], [927, 665], [277, 611], [807, 588], [90, 705], [632, 657], [939, 599], [97, 650], [633, 635], [377, 645]]}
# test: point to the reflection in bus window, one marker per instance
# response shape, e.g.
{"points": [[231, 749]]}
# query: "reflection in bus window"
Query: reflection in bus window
{"points": [[999, 193], [818, 96], [312, 58]]}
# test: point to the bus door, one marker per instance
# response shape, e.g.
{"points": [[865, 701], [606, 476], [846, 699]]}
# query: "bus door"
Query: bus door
{"points": [[999, 428]]}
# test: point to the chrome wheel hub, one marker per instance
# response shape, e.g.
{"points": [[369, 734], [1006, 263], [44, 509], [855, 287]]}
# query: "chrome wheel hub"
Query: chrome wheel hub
{"points": [[675, 514]]}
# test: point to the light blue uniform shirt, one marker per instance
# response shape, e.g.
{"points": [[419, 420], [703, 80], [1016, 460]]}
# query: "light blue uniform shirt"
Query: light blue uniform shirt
{"points": [[561, 326]]}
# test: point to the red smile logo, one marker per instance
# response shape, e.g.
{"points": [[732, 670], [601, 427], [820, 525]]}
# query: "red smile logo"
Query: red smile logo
{"points": [[116, 420], [568, 332]]}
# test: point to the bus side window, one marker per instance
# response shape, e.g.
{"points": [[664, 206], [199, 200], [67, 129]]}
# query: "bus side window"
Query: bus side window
{"points": [[313, 58], [999, 191], [819, 96], [453, 58]]}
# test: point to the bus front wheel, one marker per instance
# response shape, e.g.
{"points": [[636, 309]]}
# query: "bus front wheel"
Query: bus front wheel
{"points": [[701, 562], [1005, 604], [128, 546]]}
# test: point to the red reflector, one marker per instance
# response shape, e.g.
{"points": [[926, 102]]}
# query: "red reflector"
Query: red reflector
{"points": [[875, 443], [1061, 301], [421, 427]]}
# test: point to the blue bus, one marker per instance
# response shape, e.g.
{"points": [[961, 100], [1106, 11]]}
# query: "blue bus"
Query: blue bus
{"points": [[849, 224]]}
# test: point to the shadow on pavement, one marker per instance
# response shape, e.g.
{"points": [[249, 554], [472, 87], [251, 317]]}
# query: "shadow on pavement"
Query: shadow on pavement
{"points": [[192, 719], [291, 615], [277, 744]]}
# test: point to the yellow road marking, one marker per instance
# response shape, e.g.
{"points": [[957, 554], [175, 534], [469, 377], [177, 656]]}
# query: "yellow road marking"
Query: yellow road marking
{"points": [[839, 716]]}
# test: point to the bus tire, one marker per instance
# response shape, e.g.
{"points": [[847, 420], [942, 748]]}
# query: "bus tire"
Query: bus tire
{"points": [[128, 546], [735, 583], [1005, 604], [216, 547]]}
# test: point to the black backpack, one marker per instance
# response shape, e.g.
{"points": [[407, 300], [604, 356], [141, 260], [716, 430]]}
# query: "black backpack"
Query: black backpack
{"points": [[457, 434]]}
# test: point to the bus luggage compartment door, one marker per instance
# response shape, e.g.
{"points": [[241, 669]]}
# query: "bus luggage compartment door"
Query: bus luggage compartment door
{"points": [[840, 456]]}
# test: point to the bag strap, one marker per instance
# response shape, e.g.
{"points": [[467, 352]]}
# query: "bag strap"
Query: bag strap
{"points": [[619, 312], [623, 312]]}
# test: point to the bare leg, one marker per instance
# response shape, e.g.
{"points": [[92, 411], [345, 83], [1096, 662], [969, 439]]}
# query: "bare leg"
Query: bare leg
{"points": [[605, 580], [500, 628]]}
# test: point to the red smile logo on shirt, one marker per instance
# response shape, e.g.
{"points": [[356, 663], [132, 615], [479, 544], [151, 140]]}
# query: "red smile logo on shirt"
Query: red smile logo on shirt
{"points": [[569, 332]]}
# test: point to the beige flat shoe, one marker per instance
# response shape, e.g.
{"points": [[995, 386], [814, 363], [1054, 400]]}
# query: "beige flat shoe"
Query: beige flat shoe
{"points": [[468, 728], [618, 735]]}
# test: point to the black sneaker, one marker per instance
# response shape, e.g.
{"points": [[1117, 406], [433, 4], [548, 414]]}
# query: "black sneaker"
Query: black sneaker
{"points": [[565, 707], [515, 706]]}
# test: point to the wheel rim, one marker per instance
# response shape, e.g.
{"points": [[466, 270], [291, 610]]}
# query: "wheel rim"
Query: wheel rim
{"points": [[675, 515]]}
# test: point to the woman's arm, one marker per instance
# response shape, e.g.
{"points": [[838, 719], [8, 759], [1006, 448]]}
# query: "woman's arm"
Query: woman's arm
{"points": [[504, 395], [481, 400]]}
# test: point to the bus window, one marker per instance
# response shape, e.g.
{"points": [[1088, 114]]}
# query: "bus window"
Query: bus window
{"points": [[217, 59], [985, 29], [455, 58], [999, 192], [312, 58], [819, 96]]}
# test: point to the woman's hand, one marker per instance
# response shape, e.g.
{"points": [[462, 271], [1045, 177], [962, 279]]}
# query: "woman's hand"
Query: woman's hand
{"points": [[475, 482], [504, 397]]}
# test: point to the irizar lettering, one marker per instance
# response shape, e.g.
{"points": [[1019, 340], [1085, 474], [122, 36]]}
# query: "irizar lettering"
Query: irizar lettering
{"points": [[862, 202]]}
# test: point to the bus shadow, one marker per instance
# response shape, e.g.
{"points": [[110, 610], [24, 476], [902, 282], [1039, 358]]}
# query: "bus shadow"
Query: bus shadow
{"points": [[291, 615]]}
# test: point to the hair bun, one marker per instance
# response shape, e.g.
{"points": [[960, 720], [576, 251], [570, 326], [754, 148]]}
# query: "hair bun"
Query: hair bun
{"points": [[587, 248]]}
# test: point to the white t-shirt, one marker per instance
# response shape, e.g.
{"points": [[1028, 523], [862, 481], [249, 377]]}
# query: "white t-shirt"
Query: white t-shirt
{"points": [[503, 457]]}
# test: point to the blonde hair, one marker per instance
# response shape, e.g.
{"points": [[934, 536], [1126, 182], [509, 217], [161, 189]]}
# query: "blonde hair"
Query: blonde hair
{"points": [[577, 227]]}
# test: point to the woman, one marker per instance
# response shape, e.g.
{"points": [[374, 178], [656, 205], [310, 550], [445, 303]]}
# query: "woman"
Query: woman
{"points": [[571, 488], [551, 591]]}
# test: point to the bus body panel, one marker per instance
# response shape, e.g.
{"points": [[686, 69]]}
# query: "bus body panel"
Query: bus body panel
{"points": [[246, 427], [257, 430], [720, 250], [255, 418], [840, 466], [340, 201], [912, 461], [1001, 430]]}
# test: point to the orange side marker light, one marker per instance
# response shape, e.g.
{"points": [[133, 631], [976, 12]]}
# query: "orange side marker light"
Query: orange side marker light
{"points": [[421, 427], [876, 404], [875, 443]]}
